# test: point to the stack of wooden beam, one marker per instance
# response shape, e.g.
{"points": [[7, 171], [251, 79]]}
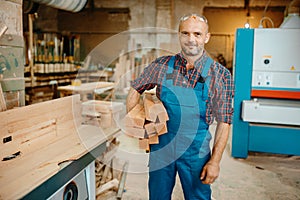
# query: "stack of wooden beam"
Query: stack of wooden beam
{"points": [[146, 121]]}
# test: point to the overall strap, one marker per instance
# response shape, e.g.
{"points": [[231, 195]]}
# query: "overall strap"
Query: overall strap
{"points": [[207, 78], [207, 65], [171, 65]]}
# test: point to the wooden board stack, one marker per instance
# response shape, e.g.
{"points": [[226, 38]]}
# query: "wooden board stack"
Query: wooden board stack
{"points": [[146, 121]]}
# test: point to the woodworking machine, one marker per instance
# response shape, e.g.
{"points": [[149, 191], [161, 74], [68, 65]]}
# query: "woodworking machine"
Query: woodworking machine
{"points": [[267, 92]]}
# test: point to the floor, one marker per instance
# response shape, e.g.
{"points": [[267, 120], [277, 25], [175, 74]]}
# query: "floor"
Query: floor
{"points": [[260, 176]]}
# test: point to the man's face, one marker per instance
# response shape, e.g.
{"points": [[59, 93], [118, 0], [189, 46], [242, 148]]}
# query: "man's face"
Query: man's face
{"points": [[193, 35]]}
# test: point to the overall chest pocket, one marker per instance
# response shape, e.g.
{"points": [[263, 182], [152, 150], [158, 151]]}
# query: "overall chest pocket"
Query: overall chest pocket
{"points": [[188, 97], [185, 107]]}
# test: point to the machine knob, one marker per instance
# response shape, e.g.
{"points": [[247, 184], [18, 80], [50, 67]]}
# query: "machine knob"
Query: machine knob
{"points": [[266, 61]]}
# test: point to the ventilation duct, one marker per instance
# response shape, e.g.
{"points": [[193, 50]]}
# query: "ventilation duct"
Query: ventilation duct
{"points": [[292, 20], [68, 5]]}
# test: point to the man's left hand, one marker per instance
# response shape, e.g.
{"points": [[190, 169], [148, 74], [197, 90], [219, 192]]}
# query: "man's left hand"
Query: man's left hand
{"points": [[210, 172]]}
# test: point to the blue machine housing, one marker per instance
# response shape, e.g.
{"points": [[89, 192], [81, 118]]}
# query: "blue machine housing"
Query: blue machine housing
{"points": [[256, 137]]}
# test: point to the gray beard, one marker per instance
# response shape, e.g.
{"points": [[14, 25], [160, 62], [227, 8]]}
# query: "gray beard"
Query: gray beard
{"points": [[194, 52]]}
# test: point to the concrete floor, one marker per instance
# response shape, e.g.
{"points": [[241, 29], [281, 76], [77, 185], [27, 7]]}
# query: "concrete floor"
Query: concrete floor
{"points": [[260, 176]]}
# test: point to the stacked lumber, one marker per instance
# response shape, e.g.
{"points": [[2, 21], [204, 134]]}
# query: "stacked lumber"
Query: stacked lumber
{"points": [[146, 121]]}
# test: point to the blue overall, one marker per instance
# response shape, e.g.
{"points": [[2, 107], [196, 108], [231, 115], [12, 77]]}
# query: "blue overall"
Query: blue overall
{"points": [[185, 148]]}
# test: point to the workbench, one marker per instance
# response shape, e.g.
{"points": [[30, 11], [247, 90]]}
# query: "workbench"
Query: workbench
{"points": [[45, 145]]}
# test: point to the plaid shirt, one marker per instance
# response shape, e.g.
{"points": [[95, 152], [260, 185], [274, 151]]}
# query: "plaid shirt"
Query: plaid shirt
{"points": [[221, 89]]}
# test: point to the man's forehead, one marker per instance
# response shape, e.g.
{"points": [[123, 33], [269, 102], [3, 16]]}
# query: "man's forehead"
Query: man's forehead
{"points": [[192, 25]]}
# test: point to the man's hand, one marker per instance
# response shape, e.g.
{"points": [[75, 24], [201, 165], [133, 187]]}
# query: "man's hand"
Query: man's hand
{"points": [[210, 172]]}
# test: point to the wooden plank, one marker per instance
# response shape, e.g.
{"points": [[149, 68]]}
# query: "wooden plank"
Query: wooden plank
{"points": [[2, 100], [122, 181], [113, 184], [135, 132], [105, 173]]}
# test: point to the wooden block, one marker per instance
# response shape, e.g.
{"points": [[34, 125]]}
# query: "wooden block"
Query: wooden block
{"points": [[136, 117], [160, 109], [148, 104], [154, 108], [161, 112], [161, 128], [144, 144], [150, 129], [135, 132], [154, 139]]}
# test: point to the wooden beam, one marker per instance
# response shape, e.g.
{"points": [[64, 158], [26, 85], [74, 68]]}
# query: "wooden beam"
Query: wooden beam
{"points": [[134, 132], [150, 129], [144, 144], [154, 139], [148, 104], [154, 109], [161, 128], [136, 117]]}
